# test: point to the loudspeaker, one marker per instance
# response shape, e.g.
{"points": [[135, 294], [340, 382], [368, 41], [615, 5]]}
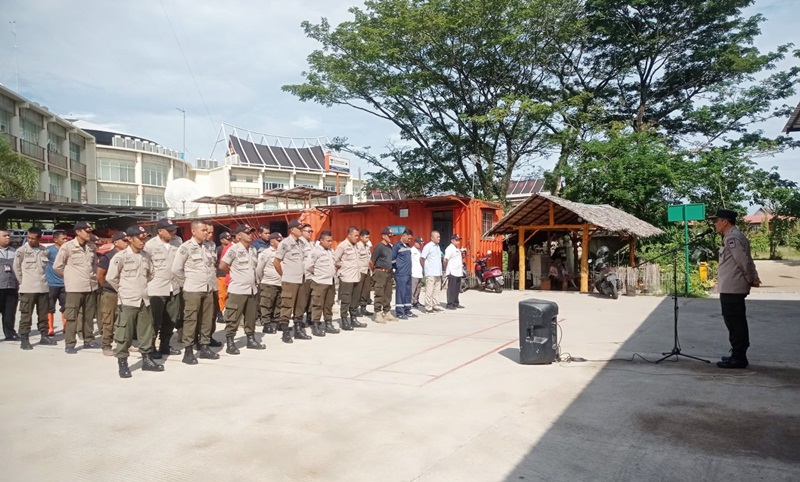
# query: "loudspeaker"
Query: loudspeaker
{"points": [[538, 337]]}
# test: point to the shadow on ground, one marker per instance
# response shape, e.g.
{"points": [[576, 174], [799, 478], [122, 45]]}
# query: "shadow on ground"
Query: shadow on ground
{"points": [[684, 420]]}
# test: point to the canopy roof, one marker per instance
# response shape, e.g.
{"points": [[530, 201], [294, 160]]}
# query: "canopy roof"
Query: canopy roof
{"points": [[31, 210], [299, 193], [230, 200], [535, 211], [793, 124]]}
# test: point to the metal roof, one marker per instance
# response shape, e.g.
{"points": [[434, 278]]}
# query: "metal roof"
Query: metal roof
{"points": [[299, 193], [793, 124], [230, 200], [48, 210]]}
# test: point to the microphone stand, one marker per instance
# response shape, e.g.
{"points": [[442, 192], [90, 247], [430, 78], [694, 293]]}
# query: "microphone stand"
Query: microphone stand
{"points": [[676, 347]]}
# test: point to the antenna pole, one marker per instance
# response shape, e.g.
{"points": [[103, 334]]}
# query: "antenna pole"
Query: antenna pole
{"points": [[16, 59], [184, 132]]}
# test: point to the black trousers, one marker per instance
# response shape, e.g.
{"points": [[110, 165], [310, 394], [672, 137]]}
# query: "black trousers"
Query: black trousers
{"points": [[453, 289], [9, 298], [734, 313], [57, 293]]}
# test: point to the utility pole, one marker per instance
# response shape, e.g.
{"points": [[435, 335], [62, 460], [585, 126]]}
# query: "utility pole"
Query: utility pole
{"points": [[16, 61], [183, 152]]}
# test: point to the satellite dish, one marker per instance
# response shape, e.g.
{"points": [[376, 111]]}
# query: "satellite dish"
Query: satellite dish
{"points": [[180, 195]]}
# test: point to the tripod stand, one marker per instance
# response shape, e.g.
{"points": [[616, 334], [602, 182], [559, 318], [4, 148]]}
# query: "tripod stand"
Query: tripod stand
{"points": [[676, 347]]}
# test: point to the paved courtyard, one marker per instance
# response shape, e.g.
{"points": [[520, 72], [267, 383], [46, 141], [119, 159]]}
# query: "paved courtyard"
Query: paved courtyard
{"points": [[437, 398]]}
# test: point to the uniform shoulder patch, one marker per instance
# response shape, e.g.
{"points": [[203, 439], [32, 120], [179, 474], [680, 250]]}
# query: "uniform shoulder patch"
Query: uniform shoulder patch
{"points": [[731, 243], [183, 251]]}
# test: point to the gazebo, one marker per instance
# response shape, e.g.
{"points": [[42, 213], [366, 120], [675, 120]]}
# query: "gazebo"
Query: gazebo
{"points": [[547, 213]]}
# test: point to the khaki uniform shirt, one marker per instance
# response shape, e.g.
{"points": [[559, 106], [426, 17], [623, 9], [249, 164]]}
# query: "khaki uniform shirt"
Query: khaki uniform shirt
{"points": [[211, 247], [243, 263], [78, 266], [265, 268], [736, 271], [308, 246], [347, 258], [162, 254], [129, 274], [290, 252], [29, 268], [194, 268], [363, 257], [320, 265]]}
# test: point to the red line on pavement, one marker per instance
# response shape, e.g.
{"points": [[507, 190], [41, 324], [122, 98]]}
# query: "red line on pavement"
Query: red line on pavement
{"points": [[432, 348], [493, 350]]}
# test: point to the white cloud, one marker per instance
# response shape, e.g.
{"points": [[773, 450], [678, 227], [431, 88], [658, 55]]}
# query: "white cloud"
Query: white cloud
{"points": [[306, 123]]}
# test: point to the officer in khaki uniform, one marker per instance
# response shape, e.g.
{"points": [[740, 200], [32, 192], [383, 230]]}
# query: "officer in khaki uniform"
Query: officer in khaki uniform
{"points": [[289, 265], [381, 264], [241, 260], [736, 274], [76, 262], [347, 261], [194, 268], [30, 264], [270, 285], [304, 294], [365, 284], [129, 273], [212, 248], [165, 289], [107, 299], [322, 269]]}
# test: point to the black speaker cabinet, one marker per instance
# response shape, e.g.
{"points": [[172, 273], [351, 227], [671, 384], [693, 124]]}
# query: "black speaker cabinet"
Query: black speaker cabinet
{"points": [[537, 332]]}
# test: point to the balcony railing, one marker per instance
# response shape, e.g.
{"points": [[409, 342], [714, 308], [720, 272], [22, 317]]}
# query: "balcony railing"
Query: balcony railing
{"points": [[246, 191], [77, 168], [57, 160], [12, 140], [31, 150], [58, 199], [40, 196]]}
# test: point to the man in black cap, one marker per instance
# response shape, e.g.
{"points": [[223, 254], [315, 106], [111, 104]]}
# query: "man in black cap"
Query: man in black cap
{"points": [[289, 265], [241, 260], [401, 254], [165, 289], [381, 265], [107, 305], [76, 262], [129, 273], [30, 262], [736, 274]]}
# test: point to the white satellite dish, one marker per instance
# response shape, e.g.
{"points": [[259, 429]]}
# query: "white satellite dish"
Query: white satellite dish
{"points": [[180, 195]]}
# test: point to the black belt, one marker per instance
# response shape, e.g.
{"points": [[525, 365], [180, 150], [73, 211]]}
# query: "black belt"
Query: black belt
{"points": [[383, 269]]}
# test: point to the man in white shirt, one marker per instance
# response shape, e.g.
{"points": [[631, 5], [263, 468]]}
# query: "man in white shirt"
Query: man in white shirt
{"points": [[454, 270], [416, 272], [431, 260]]}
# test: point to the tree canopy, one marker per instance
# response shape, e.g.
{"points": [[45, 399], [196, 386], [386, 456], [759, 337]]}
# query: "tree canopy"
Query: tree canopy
{"points": [[19, 179]]}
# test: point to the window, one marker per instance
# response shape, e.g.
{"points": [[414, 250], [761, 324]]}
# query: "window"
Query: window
{"points": [[54, 142], [154, 201], [305, 185], [487, 220], [74, 151], [329, 187], [154, 175], [241, 178], [56, 184], [5, 121], [75, 189], [116, 199], [273, 185], [116, 170], [30, 131]]}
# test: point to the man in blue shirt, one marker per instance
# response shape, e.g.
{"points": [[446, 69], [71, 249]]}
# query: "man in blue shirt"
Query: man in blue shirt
{"points": [[54, 281], [401, 258], [262, 241]]}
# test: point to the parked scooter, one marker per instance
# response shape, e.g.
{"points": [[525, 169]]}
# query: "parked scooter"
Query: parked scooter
{"points": [[605, 277], [489, 278]]}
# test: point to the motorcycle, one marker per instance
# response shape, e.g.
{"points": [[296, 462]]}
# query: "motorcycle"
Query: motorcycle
{"points": [[605, 277], [489, 278]]}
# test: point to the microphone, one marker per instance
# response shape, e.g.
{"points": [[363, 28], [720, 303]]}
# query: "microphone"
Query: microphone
{"points": [[704, 233]]}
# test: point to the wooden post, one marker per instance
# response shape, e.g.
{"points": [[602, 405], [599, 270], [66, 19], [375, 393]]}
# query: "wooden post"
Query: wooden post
{"points": [[632, 249], [585, 260], [521, 251]]}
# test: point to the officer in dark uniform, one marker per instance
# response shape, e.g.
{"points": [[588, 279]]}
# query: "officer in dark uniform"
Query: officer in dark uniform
{"points": [[735, 276]]}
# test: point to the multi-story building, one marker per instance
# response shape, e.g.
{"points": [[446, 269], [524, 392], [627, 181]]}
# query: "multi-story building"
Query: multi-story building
{"points": [[62, 153], [131, 171]]}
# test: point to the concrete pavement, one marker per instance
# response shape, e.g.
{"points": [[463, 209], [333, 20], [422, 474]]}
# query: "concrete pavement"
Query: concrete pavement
{"points": [[436, 398]]}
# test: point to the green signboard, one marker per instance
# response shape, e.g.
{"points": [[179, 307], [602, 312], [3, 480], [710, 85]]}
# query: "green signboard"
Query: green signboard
{"points": [[685, 213]]}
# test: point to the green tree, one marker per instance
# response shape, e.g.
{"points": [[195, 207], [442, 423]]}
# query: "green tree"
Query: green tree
{"points": [[19, 179], [781, 199]]}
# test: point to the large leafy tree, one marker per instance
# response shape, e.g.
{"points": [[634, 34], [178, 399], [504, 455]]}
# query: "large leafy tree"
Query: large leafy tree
{"points": [[781, 199], [19, 179]]}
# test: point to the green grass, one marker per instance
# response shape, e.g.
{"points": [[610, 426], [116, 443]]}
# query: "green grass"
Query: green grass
{"points": [[785, 252]]}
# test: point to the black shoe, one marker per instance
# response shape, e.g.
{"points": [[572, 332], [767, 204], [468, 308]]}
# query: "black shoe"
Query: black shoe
{"points": [[46, 340], [231, 349], [732, 363], [148, 365], [26, 343], [460, 306], [300, 331], [411, 315], [366, 312], [70, 350], [448, 307], [329, 328], [316, 329], [270, 328], [253, 344], [14, 337], [213, 343], [287, 334], [205, 352], [166, 349], [415, 305], [188, 356], [90, 346], [345, 323], [124, 371], [355, 323], [402, 317]]}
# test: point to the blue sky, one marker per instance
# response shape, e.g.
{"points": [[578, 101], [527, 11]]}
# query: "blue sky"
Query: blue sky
{"points": [[131, 65]]}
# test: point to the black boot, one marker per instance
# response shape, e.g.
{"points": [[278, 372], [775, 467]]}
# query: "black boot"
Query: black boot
{"points": [[124, 371], [345, 323], [738, 359], [188, 356], [329, 328], [300, 331], [205, 352], [148, 365], [25, 343], [166, 349], [354, 321], [287, 333], [366, 312], [47, 340], [213, 343], [316, 329], [253, 344], [231, 350], [270, 328]]}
